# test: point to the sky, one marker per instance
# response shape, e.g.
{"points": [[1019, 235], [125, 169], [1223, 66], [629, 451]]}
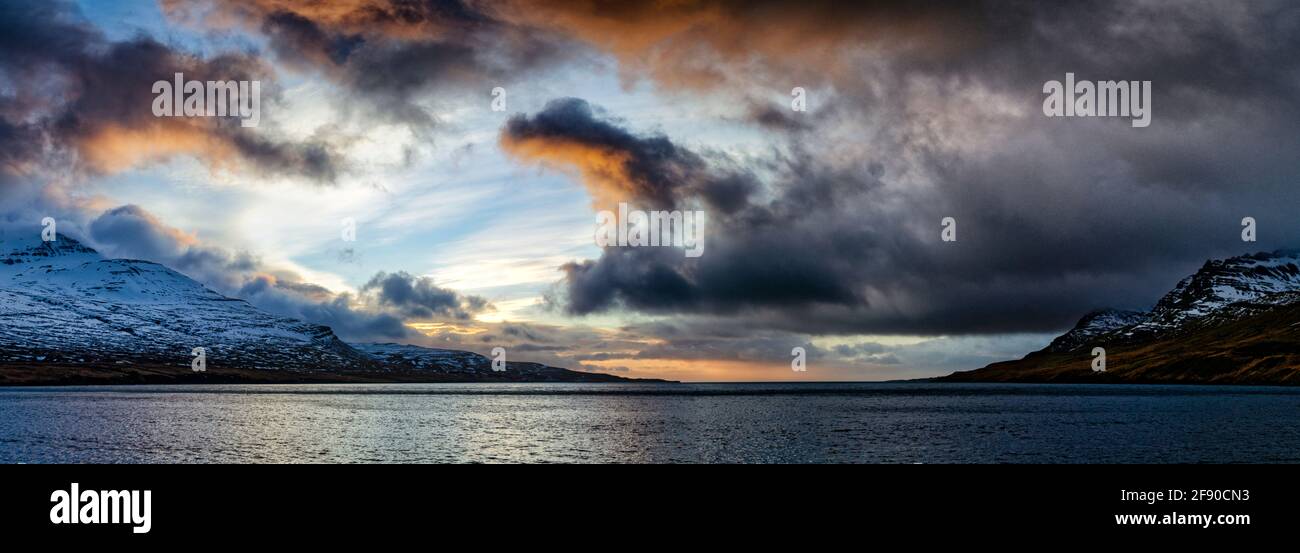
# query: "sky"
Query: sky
{"points": [[474, 228]]}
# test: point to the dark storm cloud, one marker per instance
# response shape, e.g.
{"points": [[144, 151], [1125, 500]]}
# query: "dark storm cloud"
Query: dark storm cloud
{"points": [[619, 166], [391, 55], [650, 169], [298, 40], [76, 91], [419, 298], [839, 232], [19, 145], [793, 268]]}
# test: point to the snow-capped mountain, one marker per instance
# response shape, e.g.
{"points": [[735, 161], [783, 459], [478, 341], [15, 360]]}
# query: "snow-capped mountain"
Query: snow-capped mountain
{"points": [[1235, 320], [465, 363], [1222, 283], [1221, 291], [66, 311], [61, 302], [1095, 324]]}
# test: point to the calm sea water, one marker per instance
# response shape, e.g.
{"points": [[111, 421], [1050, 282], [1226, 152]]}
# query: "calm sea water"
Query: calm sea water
{"points": [[759, 423]]}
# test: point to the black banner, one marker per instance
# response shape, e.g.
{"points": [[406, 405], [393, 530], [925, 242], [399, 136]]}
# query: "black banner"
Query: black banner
{"points": [[313, 503]]}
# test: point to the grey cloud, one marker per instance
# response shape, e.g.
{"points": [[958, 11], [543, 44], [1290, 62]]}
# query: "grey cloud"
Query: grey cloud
{"points": [[307, 302], [419, 298]]}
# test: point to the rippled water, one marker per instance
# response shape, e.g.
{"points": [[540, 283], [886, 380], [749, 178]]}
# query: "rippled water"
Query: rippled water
{"points": [[891, 423]]}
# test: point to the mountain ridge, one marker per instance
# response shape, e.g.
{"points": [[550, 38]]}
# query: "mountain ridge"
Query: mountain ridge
{"points": [[1234, 321], [70, 316]]}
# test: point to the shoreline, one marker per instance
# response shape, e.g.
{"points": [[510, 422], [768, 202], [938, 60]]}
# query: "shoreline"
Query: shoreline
{"points": [[74, 375]]}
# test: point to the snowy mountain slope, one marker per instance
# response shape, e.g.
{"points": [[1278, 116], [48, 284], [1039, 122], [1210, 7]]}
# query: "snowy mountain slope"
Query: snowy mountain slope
{"points": [[1220, 292], [62, 302], [1221, 283], [1096, 324], [1235, 320], [464, 363], [415, 357]]}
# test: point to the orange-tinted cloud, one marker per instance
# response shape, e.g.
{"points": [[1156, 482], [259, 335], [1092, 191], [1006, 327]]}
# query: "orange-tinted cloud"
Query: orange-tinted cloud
{"points": [[87, 101], [602, 169], [703, 44], [404, 20], [678, 43], [112, 147], [615, 165]]}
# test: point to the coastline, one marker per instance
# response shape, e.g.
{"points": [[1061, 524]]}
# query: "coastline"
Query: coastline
{"points": [[76, 375]]}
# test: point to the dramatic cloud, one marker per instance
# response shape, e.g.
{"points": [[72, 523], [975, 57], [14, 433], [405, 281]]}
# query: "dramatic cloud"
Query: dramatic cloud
{"points": [[710, 43], [616, 165], [756, 256], [391, 54], [73, 96], [838, 232]]}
